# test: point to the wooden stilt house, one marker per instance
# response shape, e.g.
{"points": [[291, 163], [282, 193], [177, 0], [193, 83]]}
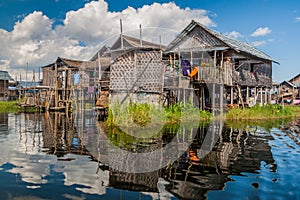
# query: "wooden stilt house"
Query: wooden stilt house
{"points": [[207, 57], [135, 70], [70, 81], [5, 82]]}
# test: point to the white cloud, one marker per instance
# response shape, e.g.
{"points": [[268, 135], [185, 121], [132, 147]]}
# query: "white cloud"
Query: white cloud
{"points": [[261, 31], [259, 43], [36, 41], [234, 34], [297, 19]]}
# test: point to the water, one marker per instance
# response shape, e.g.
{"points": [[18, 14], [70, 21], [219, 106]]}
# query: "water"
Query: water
{"points": [[65, 157]]}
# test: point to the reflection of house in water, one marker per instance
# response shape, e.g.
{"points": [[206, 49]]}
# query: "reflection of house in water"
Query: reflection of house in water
{"points": [[134, 181], [236, 153], [3, 119], [60, 136]]}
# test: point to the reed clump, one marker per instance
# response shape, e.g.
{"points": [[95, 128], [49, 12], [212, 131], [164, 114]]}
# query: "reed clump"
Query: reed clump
{"points": [[269, 111], [143, 114], [9, 107]]}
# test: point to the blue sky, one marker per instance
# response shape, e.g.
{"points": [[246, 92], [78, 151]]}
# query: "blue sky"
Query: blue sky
{"points": [[34, 31]]}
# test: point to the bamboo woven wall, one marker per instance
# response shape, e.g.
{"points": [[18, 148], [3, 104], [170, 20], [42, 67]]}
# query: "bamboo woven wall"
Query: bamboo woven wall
{"points": [[137, 71]]}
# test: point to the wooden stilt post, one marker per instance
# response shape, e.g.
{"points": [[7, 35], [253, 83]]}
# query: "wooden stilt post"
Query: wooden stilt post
{"points": [[200, 98], [192, 96], [231, 94], [247, 95], [221, 99], [56, 87], [184, 94], [270, 96], [255, 96], [203, 97], [266, 95], [261, 96], [213, 107]]}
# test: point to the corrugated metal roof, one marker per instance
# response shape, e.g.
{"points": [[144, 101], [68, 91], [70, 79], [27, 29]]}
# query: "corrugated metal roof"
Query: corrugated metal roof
{"points": [[4, 75], [238, 46]]}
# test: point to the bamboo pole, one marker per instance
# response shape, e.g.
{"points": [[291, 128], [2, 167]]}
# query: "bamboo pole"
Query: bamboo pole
{"points": [[261, 96], [56, 87]]}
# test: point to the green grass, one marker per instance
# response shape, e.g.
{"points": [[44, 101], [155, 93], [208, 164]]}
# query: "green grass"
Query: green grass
{"points": [[9, 106], [143, 114], [269, 111]]}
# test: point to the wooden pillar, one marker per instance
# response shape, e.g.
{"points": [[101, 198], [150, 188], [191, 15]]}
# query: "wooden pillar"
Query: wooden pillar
{"points": [[247, 95], [203, 97], [192, 96], [261, 96], [231, 94], [213, 107], [266, 95], [221, 99], [56, 87], [184, 96], [270, 96], [255, 95], [222, 69], [203, 90]]}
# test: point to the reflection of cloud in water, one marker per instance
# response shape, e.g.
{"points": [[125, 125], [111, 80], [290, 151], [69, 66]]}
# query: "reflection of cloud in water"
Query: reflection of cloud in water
{"points": [[81, 171], [23, 150]]}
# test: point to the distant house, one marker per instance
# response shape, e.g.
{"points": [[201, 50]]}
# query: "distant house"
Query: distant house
{"points": [[296, 82], [286, 87], [5, 82]]}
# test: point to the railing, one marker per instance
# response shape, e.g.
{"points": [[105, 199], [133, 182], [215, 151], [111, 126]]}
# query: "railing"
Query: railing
{"points": [[228, 76]]}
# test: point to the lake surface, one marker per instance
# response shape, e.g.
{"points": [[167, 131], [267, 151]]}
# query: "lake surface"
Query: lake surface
{"points": [[54, 156]]}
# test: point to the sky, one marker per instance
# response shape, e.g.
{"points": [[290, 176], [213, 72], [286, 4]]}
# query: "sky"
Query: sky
{"points": [[37, 32]]}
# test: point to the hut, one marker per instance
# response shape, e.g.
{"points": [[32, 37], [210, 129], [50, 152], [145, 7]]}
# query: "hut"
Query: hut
{"points": [[289, 90], [296, 82], [135, 70], [69, 80], [6, 82], [207, 57]]}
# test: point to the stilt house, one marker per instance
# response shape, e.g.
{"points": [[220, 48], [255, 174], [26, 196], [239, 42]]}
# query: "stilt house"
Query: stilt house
{"points": [[67, 79], [135, 70], [207, 57], [5, 81]]}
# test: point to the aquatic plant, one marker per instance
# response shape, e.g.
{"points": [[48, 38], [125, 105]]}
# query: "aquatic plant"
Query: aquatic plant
{"points": [[143, 114], [269, 111], [9, 106]]}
